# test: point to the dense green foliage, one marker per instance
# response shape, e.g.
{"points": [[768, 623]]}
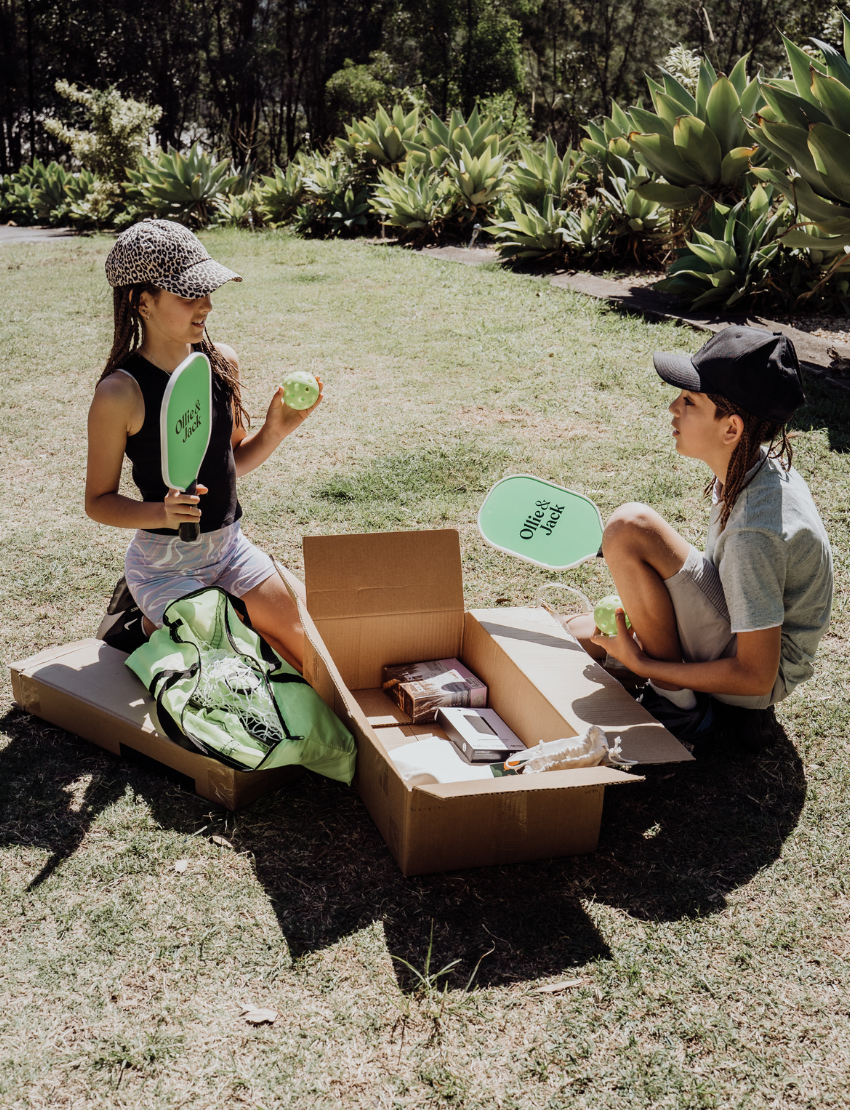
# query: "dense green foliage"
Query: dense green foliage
{"points": [[675, 178], [260, 82]]}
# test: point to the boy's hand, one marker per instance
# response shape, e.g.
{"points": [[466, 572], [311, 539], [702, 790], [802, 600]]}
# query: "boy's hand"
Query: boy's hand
{"points": [[623, 647], [281, 419]]}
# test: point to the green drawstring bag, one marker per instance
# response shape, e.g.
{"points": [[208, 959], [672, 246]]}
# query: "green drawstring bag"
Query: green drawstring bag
{"points": [[219, 685]]}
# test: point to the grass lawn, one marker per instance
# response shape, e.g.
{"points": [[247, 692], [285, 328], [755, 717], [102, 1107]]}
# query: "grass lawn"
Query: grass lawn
{"points": [[706, 940]]}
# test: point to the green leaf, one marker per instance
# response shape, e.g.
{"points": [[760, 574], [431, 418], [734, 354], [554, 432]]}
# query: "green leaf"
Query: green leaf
{"points": [[738, 76], [621, 120], [662, 157], [735, 163], [836, 64], [679, 93], [831, 150], [801, 65], [793, 140], [649, 123], [698, 148], [726, 255], [671, 196], [835, 98], [751, 98], [667, 108], [706, 253], [791, 108], [723, 113]]}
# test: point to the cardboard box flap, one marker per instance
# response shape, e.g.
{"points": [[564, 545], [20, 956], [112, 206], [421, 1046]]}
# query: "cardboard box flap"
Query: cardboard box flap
{"points": [[545, 781], [383, 574], [393, 597], [537, 644]]}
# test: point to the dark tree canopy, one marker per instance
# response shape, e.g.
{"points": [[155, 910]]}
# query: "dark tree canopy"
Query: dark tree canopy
{"points": [[259, 79]]}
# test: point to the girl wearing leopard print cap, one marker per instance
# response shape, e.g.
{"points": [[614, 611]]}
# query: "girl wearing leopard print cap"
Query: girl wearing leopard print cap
{"points": [[162, 279]]}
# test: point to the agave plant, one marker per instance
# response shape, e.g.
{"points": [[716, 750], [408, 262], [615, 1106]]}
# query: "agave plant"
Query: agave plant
{"points": [[478, 182], [181, 186], [735, 258], [538, 175], [806, 124], [609, 139], [696, 142], [238, 210], [530, 232], [639, 223], [413, 200], [281, 193], [381, 139], [334, 205], [440, 143], [588, 232]]}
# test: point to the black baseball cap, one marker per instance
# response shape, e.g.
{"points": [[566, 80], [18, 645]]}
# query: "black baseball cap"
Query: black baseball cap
{"points": [[754, 368]]}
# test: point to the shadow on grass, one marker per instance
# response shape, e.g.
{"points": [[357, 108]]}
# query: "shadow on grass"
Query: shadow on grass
{"points": [[825, 407], [670, 849]]}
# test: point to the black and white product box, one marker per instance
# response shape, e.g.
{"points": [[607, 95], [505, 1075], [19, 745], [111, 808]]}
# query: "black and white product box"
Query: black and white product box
{"points": [[479, 735]]}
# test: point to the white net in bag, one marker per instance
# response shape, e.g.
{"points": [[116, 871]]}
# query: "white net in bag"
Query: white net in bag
{"points": [[228, 682]]}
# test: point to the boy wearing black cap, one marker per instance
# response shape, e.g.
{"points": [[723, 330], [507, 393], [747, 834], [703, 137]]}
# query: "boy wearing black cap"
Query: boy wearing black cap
{"points": [[742, 621]]}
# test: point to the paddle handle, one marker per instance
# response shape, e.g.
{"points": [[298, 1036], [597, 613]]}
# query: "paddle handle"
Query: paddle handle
{"points": [[190, 531]]}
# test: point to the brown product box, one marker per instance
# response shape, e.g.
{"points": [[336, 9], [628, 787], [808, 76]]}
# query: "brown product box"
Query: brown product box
{"points": [[377, 600], [420, 689]]}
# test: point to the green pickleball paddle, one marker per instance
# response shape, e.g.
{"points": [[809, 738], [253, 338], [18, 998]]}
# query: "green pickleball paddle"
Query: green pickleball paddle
{"points": [[540, 522], [185, 424]]}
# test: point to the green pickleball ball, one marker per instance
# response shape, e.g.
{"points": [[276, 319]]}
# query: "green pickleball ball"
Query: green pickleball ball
{"points": [[300, 390], [605, 615]]}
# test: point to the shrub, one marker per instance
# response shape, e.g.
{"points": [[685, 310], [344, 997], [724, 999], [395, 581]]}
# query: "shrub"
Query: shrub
{"points": [[119, 132], [538, 175], [696, 142], [281, 193], [182, 187], [734, 258], [412, 201], [380, 140]]}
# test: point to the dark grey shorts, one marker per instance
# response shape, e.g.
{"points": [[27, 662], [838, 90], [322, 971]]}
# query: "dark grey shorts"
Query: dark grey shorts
{"points": [[703, 620]]}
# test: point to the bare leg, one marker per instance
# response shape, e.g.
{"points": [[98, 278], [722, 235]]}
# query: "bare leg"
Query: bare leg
{"points": [[583, 627], [274, 616], [641, 550]]}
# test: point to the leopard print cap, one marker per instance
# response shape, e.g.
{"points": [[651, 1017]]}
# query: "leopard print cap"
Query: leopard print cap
{"points": [[168, 255]]}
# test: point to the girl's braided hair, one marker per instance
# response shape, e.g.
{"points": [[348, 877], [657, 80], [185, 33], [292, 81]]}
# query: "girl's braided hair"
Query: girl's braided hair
{"points": [[756, 432], [129, 336]]}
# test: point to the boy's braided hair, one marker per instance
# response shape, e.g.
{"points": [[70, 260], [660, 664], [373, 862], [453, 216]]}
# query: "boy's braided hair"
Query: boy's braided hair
{"points": [[129, 336], [756, 432]]}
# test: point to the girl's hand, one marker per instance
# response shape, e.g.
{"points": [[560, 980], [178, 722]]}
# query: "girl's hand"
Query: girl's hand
{"points": [[182, 508], [281, 419], [623, 647]]}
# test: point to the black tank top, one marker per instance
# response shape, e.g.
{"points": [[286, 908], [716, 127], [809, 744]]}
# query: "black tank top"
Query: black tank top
{"points": [[220, 506]]}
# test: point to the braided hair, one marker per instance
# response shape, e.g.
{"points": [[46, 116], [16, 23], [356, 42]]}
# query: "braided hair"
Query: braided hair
{"points": [[129, 336], [756, 432]]}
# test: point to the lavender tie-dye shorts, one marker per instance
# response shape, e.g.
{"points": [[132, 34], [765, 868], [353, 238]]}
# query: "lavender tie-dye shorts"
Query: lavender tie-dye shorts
{"points": [[159, 569]]}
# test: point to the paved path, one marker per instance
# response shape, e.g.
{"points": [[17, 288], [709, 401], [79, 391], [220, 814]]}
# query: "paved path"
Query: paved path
{"points": [[33, 234], [812, 351]]}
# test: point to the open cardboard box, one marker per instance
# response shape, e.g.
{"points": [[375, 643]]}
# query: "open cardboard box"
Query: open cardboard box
{"points": [[379, 599], [397, 597]]}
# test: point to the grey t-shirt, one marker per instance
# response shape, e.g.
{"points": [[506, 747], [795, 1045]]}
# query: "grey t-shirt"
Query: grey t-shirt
{"points": [[775, 564]]}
